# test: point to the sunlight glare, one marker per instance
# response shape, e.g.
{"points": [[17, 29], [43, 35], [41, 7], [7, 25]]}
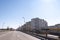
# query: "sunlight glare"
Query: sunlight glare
{"points": [[48, 0]]}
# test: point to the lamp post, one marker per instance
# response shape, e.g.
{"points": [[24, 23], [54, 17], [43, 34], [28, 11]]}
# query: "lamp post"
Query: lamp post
{"points": [[24, 21]]}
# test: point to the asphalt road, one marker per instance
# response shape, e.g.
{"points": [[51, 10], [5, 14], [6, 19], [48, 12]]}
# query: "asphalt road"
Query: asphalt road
{"points": [[3, 32], [16, 35]]}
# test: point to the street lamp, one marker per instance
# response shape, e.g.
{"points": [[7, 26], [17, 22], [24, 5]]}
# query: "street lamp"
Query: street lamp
{"points": [[24, 19]]}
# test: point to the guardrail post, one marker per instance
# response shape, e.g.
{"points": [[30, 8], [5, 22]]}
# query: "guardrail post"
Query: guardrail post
{"points": [[46, 34]]}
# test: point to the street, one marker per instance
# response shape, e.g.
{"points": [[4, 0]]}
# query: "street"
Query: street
{"points": [[16, 35]]}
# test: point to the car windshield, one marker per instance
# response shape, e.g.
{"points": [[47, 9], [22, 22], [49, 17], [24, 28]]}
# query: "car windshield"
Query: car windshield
{"points": [[29, 19]]}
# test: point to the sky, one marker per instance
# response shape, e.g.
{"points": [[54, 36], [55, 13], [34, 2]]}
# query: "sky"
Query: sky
{"points": [[13, 11]]}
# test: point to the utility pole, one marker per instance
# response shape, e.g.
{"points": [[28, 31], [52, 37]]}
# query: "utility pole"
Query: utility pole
{"points": [[3, 25]]}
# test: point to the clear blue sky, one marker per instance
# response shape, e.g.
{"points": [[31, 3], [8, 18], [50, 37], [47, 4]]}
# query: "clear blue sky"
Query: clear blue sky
{"points": [[12, 11]]}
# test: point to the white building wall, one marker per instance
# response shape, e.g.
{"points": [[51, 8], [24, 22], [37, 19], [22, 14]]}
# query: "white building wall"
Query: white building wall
{"points": [[38, 23]]}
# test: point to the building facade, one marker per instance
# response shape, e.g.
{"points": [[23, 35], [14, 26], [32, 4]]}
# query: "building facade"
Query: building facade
{"points": [[34, 24], [38, 23]]}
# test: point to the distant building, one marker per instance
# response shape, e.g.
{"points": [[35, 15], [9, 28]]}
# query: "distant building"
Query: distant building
{"points": [[35, 23], [57, 25], [38, 23], [51, 26], [29, 26]]}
